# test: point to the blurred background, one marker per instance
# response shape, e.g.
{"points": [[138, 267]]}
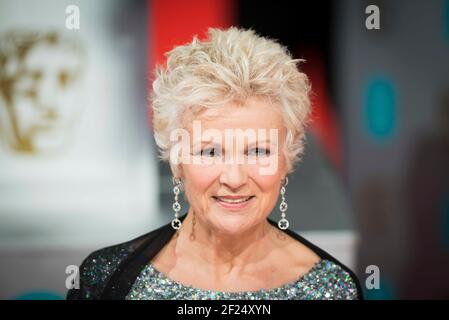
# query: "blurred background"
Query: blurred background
{"points": [[78, 163]]}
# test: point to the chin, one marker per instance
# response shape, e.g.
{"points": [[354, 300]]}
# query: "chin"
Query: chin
{"points": [[232, 223]]}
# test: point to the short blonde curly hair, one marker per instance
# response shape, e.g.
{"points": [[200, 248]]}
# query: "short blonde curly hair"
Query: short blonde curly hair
{"points": [[230, 65]]}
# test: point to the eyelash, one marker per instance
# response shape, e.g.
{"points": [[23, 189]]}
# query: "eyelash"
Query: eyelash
{"points": [[208, 153], [266, 152]]}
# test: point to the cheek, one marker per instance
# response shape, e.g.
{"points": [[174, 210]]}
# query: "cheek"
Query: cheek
{"points": [[198, 179], [269, 186], [266, 183]]}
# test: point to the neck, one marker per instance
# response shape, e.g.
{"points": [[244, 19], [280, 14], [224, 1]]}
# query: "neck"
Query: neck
{"points": [[222, 251]]}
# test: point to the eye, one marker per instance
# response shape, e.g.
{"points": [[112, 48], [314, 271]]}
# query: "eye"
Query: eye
{"points": [[261, 152], [210, 152]]}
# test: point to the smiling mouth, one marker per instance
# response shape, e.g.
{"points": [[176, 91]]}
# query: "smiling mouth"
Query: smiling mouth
{"points": [[233, 200]]}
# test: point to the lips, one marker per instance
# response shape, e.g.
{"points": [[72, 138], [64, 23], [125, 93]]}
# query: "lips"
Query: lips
{"points": [[233, 202], [233, 199]]}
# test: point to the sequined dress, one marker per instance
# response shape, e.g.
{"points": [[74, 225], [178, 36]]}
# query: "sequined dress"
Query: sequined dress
{"points": [[123, 272], [325, 281]]}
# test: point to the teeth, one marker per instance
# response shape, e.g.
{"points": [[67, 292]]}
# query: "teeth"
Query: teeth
{"points": [[233, 200]]}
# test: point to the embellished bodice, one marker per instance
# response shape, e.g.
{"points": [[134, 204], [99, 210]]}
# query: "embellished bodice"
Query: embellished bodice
{"points": [[325, 280]]}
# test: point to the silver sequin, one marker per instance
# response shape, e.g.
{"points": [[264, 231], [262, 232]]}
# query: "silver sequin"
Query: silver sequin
{"points": [[325, 281]]}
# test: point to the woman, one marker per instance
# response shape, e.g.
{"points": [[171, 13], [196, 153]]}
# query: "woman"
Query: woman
{"points": [[229, 116]]}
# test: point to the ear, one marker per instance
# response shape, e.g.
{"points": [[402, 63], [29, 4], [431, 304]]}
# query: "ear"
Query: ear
{"points": [[177, 171], [283, 171]]}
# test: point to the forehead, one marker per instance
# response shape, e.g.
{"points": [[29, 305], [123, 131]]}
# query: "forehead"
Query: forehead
{"points": [[254, 113]]}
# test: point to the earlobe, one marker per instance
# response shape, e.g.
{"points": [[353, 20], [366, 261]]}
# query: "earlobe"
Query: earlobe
{"points": [[177, 172]]}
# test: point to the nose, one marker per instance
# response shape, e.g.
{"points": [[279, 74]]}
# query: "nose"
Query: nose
{"points": [[233, 175]]}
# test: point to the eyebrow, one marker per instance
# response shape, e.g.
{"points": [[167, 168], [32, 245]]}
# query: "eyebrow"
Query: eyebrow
{"points": [[202, 142], [266, 140]]}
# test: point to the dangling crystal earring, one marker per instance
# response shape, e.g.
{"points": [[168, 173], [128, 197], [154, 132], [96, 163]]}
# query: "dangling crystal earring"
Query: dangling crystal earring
{"points": [[176, 223], [283, 222]]}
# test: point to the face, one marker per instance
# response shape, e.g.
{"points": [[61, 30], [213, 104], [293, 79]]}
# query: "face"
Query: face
{"points": [[225, 184]]}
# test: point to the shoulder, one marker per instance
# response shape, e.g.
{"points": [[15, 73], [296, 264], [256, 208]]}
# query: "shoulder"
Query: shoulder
{"points": [[98, 267], [329, 280], [327, 277]]}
